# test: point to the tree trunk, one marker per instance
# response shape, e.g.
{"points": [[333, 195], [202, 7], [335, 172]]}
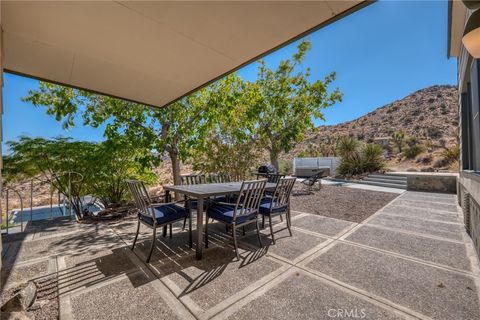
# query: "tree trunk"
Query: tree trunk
{"points": [[274, 159], [175, 168]]}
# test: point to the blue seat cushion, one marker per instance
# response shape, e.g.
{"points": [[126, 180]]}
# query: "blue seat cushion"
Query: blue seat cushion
{"points": [[265, 207], [224, 213], [165, 213]]}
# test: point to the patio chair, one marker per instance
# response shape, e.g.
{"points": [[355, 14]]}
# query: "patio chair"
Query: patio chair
{"points": [[271, 177], [188, 180], [309, 183], [243, 213], [277, 204], [220, 177], [156, 215]]}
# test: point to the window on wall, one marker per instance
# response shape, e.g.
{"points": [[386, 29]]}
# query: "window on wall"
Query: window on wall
{"points": [[474, 117], [466, 131]]}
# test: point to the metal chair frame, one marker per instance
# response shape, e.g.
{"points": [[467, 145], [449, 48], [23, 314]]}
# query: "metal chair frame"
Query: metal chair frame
{"points": [[220, 177], [309, 183], [280, 198], [271, 177], [146, 207], [248, 203]]}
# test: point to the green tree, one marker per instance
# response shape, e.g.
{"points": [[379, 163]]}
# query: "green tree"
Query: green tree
{"points": [[287, 102], [172, 130], [231, 145]]}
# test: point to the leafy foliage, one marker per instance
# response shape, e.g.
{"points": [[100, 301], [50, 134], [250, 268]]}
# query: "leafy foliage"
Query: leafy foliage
{"points": [[413, 149], [222, 126], [84, 168], [357, 158], [286, 102], [452, 154]]}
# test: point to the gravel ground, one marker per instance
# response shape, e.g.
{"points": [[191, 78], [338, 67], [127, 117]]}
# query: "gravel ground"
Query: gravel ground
{"points": [[341, 202]]}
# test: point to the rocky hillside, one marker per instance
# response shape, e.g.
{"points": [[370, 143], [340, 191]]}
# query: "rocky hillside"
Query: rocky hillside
{"points": [[430, 115]]}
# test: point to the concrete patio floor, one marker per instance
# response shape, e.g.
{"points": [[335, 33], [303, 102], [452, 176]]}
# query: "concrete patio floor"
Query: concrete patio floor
{"points": [[410, 260]]}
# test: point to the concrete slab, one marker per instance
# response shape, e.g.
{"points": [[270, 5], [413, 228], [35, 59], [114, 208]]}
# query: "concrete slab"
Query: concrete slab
{"points": [[436, 197], [128, 298], [432, 194], [420, 213], [89, 269], [434, 292], [427, 205], [302, 296], [286, 247], [432, 250], [326, 226], [13, 275], [214, 278], [373, 188], [438, 229]]}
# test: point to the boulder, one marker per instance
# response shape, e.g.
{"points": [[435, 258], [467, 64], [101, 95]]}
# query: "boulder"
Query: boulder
{"points": [[22, 300]]}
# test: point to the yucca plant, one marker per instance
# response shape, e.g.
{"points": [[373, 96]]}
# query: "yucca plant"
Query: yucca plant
{"points": [[348, 150], [372, 158]]}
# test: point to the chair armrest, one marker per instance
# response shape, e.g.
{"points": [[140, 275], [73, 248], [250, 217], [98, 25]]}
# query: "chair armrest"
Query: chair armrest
{"points": [[165, 203], [223, 203]]}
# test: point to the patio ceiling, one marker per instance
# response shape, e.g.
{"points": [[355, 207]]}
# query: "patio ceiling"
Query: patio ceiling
{"points": [[151, 52]]}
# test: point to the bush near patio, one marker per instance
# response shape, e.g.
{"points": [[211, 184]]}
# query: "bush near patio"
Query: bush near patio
{"points": [[358, 158], [97, 169]]}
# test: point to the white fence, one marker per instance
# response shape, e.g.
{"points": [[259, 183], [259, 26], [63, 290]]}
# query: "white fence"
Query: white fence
{"points": [[304, 167]]}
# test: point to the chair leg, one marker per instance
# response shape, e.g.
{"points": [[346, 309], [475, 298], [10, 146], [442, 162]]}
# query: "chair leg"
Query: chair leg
{"points": [[226, 228], [243, 230], [190, 236], [206, 232], [289, 222], [164, 231], [170, 231], [263, 221], [153, 244], [281, 218], [258, 235], [271, 228], [184, 223], [234, 233], [136, 235]]}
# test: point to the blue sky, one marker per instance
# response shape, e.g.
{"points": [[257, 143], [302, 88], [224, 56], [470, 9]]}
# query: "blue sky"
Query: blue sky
{"points": [[380, 54]]}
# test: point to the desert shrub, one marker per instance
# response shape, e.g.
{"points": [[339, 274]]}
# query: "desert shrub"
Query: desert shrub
{"points": [[348, 150], [412, 151], [357, 159], [424, 158], [372, 158], [451, 154]]}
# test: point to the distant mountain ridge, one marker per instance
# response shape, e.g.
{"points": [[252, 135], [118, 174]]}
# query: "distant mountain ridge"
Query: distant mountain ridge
{"points": [[430, 114]]}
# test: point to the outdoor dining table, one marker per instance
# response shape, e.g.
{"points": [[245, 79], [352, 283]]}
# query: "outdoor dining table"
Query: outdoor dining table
{"points": [[203, 191]]}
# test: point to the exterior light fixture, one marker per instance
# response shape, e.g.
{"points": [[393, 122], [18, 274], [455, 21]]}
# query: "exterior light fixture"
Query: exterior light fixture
{"points": [[471, 35], [472, 4]]}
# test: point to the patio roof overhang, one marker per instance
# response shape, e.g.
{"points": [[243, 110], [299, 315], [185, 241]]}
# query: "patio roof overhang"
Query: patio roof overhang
{"points": [[457, 15], [152, 52]]}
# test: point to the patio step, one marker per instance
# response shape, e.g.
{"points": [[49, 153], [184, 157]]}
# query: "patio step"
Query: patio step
{"points": [[388, 176], [382, 184], [386, 180]]}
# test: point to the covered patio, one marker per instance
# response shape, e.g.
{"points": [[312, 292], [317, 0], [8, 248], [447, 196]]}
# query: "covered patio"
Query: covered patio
{"points": [[410, 260]]}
